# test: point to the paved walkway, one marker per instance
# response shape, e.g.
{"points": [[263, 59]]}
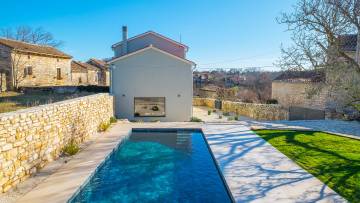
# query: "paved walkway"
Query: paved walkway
{"points": [[257, 172]]}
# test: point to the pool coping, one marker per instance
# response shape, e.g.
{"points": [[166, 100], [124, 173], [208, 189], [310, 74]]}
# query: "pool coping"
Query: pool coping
{"points": [[171, 130]]}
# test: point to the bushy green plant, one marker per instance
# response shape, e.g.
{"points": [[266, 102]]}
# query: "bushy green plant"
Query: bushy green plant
{"points": [[209, 112], [103, 126], [226, 114], [220, 116], [195, 119], [72, 148], [113, 119], [236, 118], [357, 106], [230, 118], [272, 101]]}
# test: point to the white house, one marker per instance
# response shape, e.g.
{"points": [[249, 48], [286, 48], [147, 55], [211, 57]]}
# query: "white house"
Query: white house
{"points": [[151, 79]]}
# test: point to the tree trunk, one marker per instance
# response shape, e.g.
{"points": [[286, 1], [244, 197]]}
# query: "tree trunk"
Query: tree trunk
{"points": [[357, 56]]}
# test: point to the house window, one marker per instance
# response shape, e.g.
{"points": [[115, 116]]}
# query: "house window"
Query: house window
{"points": [[149, 106], [28, 56], [80, 80], [28, 71], [58, 73]]}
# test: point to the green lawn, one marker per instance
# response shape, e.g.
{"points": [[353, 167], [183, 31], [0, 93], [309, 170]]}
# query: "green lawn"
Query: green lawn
{"points": [[12, 101], [333, 159]]}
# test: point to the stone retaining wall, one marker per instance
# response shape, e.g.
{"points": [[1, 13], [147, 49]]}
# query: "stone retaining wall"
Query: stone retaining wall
{"points": [[204, 102], [254, 111], [32, 137]]}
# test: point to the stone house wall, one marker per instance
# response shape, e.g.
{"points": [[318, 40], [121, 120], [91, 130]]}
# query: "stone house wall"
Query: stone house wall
{"points": [[32, 137], [44, 68], [254, 111], [5, 64], [79, 78], [92, 77], [295, 94]]}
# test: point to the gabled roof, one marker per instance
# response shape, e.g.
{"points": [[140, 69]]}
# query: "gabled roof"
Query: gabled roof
{"points": [[98, 63], [348, 42], [152, 33], [79, 67], [43, 50], [147, 48], [302, 76]]}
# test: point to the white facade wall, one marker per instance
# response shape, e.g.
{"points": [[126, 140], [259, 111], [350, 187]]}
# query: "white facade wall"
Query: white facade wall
{"points": [[152, 73]]}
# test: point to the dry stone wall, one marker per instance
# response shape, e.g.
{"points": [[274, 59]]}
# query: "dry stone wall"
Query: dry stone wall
{"points": [[254, 111], [204, 102], [32, 137]]}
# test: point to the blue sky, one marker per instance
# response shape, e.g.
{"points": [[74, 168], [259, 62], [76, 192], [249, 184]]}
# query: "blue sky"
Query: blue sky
{"points": [[220, 34]]}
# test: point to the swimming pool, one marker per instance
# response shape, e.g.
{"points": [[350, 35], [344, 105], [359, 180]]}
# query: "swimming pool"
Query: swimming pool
{"points": [[157, 165]]}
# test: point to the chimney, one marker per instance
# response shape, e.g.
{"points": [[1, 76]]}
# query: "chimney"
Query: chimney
{"points": [[124, 40]]}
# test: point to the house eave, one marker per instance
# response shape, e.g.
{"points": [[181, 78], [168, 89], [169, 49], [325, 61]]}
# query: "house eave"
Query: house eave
{"points": [[154, 48]]}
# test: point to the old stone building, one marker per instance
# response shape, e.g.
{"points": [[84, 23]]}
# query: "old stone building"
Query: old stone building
{"points": [[103, 71], [294, 89], [84, 73], [306, 88], [27, 65]]}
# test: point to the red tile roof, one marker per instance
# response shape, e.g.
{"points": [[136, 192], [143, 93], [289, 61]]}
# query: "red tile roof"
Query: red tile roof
{"points": [[24, 47]]}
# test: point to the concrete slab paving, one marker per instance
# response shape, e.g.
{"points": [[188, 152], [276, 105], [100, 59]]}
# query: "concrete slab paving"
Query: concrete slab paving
{"points": [[257, 172]]}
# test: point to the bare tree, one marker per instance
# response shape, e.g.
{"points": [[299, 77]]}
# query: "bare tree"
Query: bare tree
{"points": [[316, 26], [31, 35], [17, 68]]}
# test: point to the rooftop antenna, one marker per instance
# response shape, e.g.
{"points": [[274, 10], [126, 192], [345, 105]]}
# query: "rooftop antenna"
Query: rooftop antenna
{"points": [[180, 38]]}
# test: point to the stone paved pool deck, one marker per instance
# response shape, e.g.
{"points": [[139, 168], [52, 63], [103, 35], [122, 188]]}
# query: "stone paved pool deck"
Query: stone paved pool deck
{"points": [[253, 169]]}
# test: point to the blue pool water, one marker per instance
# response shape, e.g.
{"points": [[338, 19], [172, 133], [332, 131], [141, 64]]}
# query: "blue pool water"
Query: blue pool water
{"points": [[157, 167]]}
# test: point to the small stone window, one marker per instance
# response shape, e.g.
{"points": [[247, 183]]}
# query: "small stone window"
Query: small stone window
{"points": [[58, 73], [28, 71], [29, 57], [80, 80]]}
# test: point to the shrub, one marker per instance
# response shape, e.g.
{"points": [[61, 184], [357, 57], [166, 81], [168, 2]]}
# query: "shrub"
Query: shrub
{"points": [[236, 118], [195, 119], [220, 116], [113, 119], [209, 112], [272, 101], [226, 114], [248, 101], [71, 149], [230, 118], [103, 126]]}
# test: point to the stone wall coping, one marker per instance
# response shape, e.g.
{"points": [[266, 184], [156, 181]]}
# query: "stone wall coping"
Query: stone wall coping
{"points": [[253, 104], [44, 107]]}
